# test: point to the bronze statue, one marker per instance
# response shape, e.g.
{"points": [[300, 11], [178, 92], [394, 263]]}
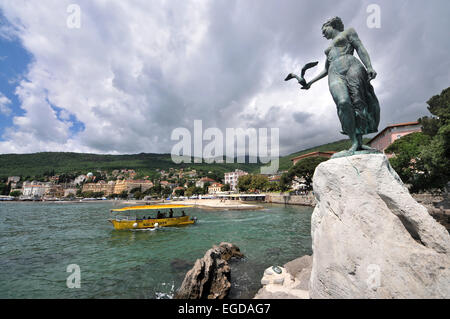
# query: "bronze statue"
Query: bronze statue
{"points": [[349, 82]]}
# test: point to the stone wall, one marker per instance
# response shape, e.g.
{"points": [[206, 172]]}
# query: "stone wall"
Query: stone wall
{"points": [[306, 200]]}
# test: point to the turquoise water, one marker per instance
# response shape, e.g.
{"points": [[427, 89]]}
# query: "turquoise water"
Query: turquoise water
{"points": [[39, 241]]}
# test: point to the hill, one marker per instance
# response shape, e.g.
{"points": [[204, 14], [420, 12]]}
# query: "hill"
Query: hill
{"points": [[286, 163], [38, 164], [49, 163]]}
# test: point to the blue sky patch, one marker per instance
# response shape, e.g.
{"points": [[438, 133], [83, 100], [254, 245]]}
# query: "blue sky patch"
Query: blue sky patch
{"points": [[14, 61], [66, 116]]}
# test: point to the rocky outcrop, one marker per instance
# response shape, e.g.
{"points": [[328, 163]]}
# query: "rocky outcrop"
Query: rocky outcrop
{"points": [[288, 282], [210, 278], [371, 239]]}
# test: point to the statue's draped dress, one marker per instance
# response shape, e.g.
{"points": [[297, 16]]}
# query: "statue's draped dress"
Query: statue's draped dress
{"points": [[348, 80]]}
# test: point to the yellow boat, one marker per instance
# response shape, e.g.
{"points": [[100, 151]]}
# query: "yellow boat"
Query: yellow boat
{"points": [[159, 220]]}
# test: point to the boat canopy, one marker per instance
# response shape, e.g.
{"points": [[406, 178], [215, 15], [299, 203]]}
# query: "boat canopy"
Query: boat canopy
{"points": [[150, 207]]}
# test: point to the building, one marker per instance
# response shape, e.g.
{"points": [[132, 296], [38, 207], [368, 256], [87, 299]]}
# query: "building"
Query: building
{"points": [[101, 186], [232, 178], [54, 179], [326, 154], [70, 191], [54, 191], [138, 183], [202, 181], [298, 183], [80, 179], [393, 132], [13, 180], [164, 183], [215, 188], [34, 189], [127, 185]]}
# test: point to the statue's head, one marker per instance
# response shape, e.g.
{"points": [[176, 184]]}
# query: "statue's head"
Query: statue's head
{"points": [[331, 25]]}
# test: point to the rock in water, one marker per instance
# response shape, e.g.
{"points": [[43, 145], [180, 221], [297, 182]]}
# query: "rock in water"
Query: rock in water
{"points": [[371, 239], [210, 278]]}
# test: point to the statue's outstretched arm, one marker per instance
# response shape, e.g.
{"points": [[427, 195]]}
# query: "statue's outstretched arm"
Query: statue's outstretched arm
{"points": [[321, 75]]}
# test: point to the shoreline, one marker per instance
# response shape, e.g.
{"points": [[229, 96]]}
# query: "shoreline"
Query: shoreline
{"points": [[211, 204]]}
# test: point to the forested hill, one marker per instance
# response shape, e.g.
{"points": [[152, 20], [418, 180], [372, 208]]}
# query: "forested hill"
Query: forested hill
{"points": [[49, 163]]}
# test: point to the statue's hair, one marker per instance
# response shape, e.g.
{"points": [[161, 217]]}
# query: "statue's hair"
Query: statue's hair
{"points": [[335, 23]]}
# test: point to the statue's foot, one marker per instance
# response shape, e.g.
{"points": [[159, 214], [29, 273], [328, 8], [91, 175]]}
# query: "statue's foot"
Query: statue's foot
{"points": [[367, 148], [355, 147]]}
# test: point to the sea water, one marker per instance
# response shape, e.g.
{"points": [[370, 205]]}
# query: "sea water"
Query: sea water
{"points": [[40, 240]]}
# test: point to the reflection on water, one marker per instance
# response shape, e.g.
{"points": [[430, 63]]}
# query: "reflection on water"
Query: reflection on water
{"points": [[39, 241]]}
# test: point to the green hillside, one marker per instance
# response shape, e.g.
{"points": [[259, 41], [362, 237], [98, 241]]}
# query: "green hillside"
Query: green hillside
{"points": [[38, 164], [286, 163], [47, 163]]}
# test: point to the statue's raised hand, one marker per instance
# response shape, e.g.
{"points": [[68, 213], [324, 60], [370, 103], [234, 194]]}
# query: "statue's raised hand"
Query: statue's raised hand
{"points": [[306, 87], [371, 74]]}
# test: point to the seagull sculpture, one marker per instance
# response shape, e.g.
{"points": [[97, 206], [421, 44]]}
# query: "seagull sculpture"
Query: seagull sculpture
{"points": [[301, 78]]}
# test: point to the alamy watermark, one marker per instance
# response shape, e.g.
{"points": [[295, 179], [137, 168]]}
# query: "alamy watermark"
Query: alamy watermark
{"points": [[374, 18], [74, 18], [374, 280], [74, 279], [234, 142]]}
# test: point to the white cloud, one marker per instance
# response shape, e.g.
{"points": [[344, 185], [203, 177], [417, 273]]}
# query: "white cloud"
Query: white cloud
{"points": [[136, 70], [4, 105]]}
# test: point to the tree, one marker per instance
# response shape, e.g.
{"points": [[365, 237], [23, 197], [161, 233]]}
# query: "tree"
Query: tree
{"points": [[205, 187], [179, 192], [244, 183], [225, 188], [439, 105], [123, 195], [407, 161], [189, 191], [304, 168], [423, 159], [252, 183], [15, 193], [259, 182], [436, 154], [166, 191], [5, 188], [138, 195], [136, 189]]}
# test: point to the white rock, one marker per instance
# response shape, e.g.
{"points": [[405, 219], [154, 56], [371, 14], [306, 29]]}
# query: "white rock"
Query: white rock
{"points": [[371, 239], [280, 286]]}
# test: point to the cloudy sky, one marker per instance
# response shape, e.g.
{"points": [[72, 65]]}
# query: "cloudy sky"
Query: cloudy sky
{"points": [[135, 70]]}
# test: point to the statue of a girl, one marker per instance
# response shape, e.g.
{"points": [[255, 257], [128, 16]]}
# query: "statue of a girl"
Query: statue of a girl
{"points": [[349, 82]]}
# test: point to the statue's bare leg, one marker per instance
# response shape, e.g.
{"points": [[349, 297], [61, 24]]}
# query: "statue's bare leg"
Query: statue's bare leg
{"points": [[362, 146], [347, 118]]}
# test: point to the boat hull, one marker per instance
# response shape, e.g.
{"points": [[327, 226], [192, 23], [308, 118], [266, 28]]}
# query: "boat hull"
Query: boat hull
{"points": [[150, 223]]}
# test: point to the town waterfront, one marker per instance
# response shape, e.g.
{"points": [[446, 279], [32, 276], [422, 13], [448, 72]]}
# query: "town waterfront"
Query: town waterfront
{"points": [[39, 241]]}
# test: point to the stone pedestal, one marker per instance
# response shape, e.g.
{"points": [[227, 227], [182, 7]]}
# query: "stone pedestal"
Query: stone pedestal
{"points": [[371, 239]]}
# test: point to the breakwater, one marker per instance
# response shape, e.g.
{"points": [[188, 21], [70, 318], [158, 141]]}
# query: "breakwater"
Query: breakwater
{"points": [[305, 200]]}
